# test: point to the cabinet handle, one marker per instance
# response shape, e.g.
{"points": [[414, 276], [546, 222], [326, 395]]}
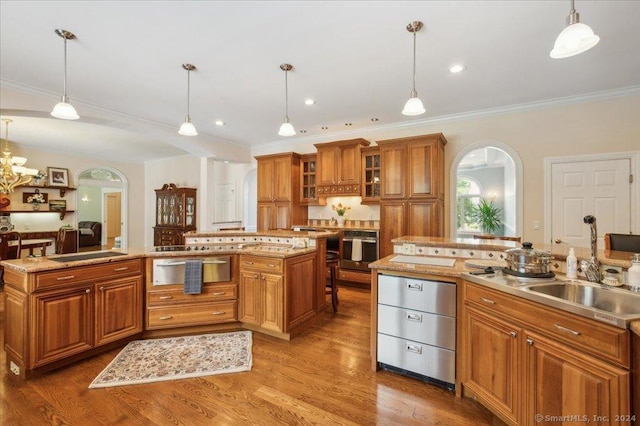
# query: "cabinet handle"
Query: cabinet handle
{"points": [[513, 334], [167, 317], [246, 262], [414, 286], [219, 313], [88, 291], [271, 265], [415, 349], [101, 288], [264, 278], [165, 297], [255, 276], [489, 301], [567, 330], [414, 317], [124, 268], [220, 293], [66, 277], [530, 342]]}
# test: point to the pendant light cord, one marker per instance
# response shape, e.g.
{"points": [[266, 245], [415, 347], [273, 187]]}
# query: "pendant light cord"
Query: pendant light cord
{"points": [[286, 96], [188, 92], [414, 62], [64, 86]]}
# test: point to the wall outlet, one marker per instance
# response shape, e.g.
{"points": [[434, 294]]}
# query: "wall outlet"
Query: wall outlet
{"points": [[536, 225], [14, 368], [408, 248]]}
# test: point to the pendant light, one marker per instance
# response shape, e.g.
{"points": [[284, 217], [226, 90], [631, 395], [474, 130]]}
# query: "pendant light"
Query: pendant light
{"points": [[13, 173], [575, 38], [414, 104], [64, 109], [188, 129], [287, 128]]}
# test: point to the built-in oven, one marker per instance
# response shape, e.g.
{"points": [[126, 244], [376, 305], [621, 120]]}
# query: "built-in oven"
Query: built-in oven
{"points": [[169, 271], [359, 248]]}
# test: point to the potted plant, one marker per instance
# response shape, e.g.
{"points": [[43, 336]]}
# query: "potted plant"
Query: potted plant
{"points": [[488, 216], [35, 200]]}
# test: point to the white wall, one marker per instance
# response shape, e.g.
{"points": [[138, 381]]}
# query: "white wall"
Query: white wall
{"points": [[597, 126]]}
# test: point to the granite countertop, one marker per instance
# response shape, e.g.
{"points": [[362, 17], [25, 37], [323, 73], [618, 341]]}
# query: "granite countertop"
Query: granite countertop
{"points": [[559, 251], [446, 271], [346, 226], [283, 233]]}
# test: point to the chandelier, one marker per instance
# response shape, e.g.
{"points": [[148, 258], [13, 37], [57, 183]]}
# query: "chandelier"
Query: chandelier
{"points": [[13, 171]]}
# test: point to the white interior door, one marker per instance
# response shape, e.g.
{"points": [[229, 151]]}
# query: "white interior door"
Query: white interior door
{"points": [[225, 202], [600, 188]]}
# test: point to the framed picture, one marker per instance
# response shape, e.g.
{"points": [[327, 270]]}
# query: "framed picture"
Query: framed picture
{"points": [[57, 205], [37, 197], [58, 176]]}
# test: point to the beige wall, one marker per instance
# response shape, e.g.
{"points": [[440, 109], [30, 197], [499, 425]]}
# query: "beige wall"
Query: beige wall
{"points": [[601, 126]]}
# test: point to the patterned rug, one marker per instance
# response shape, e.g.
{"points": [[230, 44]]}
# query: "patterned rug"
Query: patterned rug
{"points": [[155, 360]]}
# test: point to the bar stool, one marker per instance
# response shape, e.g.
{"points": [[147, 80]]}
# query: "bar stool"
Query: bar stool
{"points": [[332, 260]]}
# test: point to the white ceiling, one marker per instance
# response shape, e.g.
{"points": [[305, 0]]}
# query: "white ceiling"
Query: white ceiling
{"points": [[125, 74]]}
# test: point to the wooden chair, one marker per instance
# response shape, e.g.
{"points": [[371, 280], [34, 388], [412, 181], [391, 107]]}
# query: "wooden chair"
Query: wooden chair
{"points": [[622, 242], [10, 248], [331, 263], [496, 237]]}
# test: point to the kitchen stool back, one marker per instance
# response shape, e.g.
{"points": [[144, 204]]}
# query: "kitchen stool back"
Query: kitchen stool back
{"points": [[331, 287]]}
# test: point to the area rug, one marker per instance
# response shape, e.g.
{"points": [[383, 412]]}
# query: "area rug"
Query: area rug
{"points": [[155, 360]]}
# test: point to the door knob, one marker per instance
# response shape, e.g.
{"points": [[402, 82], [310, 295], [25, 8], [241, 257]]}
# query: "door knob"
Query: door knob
{"points": [[558, 241]]}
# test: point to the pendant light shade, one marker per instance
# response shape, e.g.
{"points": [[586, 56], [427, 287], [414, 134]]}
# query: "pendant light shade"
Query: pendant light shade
{"points": [[575, 38], [188, 129], [64, 109], [414, 104], [286, 129]]}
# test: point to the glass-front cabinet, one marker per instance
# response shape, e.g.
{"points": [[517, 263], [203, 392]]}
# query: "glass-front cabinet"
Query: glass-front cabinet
{"points": [[309, 193], [370, 175], [175, 214]]}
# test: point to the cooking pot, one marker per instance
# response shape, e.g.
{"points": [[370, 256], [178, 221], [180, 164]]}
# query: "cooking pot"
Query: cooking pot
{"points": [[526, 260]]}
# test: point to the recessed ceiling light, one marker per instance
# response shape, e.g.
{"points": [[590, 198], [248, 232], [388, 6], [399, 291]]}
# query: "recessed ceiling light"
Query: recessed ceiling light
{"points": [[324, 128], [348, 124], [303, 131], [374, 119], [309, 102], [220, 123], [457, 68]]}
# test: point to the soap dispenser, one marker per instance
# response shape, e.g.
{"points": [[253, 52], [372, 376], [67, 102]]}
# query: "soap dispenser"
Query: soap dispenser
{"points": [[633, 276], [572, 264]]}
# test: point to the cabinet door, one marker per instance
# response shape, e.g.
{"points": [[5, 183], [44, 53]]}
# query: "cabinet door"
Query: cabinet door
{"points": [[349, 165], [425, 218], [327, 164], [392, 173], [282, 212], [392, 225], [492, 364], [272, 302], [422, 172], [282, 179], [371, 177], [266, 171], [63, 324], [265, 216], [118, 308], [308, 180], [562, 381], [250, 307]]}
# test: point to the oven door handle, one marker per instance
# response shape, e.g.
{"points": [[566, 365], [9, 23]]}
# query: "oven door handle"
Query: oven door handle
{"points": [[364, 240], [204, 262]]}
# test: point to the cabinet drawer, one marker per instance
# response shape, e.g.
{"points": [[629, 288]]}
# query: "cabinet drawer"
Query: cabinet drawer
{"points": [[209, 293], [589, 335], [262, 264], [110, 270], [421, 295], [423, 327], [193, 314], [417, 357]]}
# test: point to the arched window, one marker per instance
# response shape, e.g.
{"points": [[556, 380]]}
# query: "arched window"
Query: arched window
{"points": [[469, 194]]}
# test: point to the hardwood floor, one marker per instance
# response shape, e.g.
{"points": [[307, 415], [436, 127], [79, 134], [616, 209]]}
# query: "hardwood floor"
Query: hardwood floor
{"points": [[321, 377]]}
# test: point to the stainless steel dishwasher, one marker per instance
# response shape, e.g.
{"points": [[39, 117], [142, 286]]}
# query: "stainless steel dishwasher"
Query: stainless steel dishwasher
{"points": [[417, 328]]}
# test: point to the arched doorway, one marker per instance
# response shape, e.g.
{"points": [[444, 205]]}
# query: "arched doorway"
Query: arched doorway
{"points": [[489, 171], [102, 197]]}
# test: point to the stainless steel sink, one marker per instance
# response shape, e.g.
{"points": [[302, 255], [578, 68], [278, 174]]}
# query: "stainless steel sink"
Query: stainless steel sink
{"points": [[610, 300]]}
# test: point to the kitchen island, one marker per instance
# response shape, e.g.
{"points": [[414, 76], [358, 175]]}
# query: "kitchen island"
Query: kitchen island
{"points": [[506, 340], [63, 308]]}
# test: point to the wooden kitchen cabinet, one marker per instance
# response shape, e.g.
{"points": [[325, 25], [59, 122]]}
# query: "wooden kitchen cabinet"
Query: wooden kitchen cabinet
{"points": [[308, 182], [175, 214], [371, 175], [521, 359], [59, 316], [279, 192], [339, 167], [277, 295], [412, 188]]}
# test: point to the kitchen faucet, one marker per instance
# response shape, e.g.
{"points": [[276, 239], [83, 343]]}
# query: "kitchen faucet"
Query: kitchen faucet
{"points": [[592, 268]]}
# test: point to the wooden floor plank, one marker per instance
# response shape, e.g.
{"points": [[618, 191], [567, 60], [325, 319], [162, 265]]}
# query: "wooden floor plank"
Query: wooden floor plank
{"points": [[320, 377]]}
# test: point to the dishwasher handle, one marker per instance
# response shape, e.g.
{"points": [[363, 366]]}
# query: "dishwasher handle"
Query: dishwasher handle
{"points": [[204, 262]]}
